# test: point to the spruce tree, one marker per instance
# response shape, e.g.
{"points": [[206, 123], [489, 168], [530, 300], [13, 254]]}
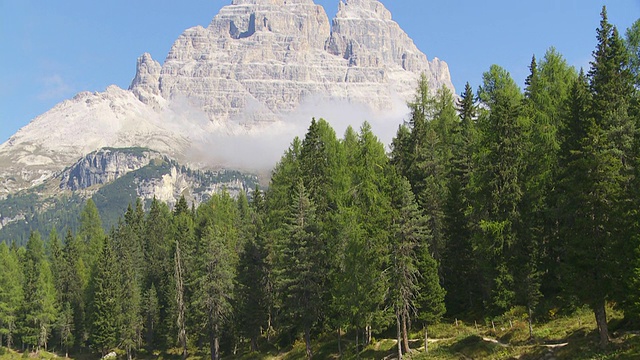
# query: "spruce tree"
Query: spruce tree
{"points": [[498, 187], [104, 309], [252, 301], [459, 268], [39, 310], [301, 255], [129, 296], [217, 262], [597, 177], [409, 233], [159, 266], [11, 294], [90, 233]]}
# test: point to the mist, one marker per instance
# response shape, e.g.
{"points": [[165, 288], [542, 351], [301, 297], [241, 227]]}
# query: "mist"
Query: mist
{"points": [[257, 147]]}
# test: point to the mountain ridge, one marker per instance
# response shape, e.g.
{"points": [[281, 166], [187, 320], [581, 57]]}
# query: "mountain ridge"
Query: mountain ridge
{"points": [[258, 62]]}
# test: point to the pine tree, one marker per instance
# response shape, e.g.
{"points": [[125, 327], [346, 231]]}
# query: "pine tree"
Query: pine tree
{"points": [[11, 294], [184, 252], [90, 233], [104, 307], [39, 310], [409, 232], [151, 315], [214, 286], [252, 300], [597, 177], [301, 255], [73, 284], [459, 268], [65, 328], [632, 43], [129, 296], [498, 187], [160, 267]]}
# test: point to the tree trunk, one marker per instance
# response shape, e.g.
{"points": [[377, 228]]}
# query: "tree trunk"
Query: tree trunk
{"points": [[182, 335], [399, 336], [530, 323], [405, 334], [254, 343], [601, 320], [426, 340], [213, 343], [340, 342], [307, 341], [357, 345], [128, 352]]}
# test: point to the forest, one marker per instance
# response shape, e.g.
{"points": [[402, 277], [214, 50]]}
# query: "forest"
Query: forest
{"points": [[485, 203]]}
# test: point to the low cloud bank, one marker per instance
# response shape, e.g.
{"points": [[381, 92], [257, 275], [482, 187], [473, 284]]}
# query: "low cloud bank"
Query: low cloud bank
{"points": [[258, 147]]}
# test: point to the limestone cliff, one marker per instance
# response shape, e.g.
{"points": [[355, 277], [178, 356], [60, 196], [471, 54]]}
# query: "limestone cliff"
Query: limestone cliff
{"points": [[252, 66]]}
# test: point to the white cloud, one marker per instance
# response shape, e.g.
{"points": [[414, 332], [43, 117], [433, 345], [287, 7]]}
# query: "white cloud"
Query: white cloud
{"points": [[54, 87], [259, 147]]}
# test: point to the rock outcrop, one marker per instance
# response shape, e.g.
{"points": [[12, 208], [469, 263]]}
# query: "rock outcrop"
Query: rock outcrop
{"points": [[104, 166], [259, 59]]}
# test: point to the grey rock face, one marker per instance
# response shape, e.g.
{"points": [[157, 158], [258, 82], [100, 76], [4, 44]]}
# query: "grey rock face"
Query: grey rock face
{"points": [[259, 59], [104, 166], [255, 63], [147, 80]]}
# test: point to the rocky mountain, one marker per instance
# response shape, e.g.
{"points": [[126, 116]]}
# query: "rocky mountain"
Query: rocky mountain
{"points": [[113, 178], [258, 62]]}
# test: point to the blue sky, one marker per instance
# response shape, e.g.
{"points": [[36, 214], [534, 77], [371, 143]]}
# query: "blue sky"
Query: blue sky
{"points": [[53, 49]]}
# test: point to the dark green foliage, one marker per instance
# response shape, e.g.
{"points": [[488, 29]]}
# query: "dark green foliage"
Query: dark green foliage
{"points": [[252, 307], [301, 256], [11, 295], [39, 215], [632, 42], [73, 279], [498, 187], [216, 265], [39, 313], [104, 309], [90, 233], [459, 268]]}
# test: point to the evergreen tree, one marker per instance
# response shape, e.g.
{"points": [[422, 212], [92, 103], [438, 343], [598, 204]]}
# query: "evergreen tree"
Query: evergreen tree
{"points": [[73, 285], [498, 187], [184, 253], [217, 262], [104, 300], [151, 315], [252, 301], [160, 267], [90, 233], [301, 256], [11, 294], [409, 232], [65, 328], [130, 296], [39, 310], [632, 42], [459, 269], [597, 178], [54, 249]]}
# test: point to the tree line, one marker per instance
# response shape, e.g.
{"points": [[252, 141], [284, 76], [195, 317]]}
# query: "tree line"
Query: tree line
{"points": [[488, 202]]}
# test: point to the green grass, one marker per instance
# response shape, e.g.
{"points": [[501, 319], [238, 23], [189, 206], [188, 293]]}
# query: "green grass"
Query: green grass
{"points": [[563, 337]]}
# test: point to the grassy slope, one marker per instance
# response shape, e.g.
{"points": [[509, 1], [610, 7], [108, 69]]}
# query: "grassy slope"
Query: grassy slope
{"points": [[571, 337]]}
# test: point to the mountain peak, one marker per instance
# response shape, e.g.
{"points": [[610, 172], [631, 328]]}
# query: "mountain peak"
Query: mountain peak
{"points": [[363, 9], [259, 62], [271, 2]]}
